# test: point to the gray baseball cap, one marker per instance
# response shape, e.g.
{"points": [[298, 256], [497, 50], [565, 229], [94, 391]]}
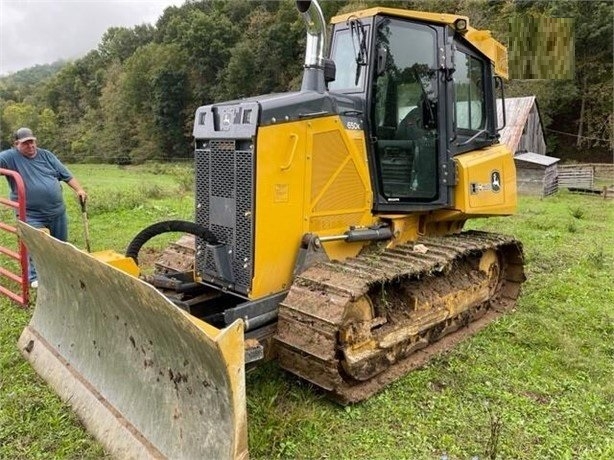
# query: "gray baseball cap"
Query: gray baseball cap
{"points": [[24, 134]]}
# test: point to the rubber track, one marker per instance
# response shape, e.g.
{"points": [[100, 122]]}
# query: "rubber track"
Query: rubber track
{"points": [[311, 315]]}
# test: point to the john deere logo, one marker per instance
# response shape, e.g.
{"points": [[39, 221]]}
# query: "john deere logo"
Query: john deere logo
{"points": [[495, 181], [226, 121]]}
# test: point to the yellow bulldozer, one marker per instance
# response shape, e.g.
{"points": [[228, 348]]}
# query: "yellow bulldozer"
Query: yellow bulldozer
{"points": [[327, 235]]}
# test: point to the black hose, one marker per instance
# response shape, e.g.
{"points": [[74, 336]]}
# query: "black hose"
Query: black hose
{"points": [[167, 226]]}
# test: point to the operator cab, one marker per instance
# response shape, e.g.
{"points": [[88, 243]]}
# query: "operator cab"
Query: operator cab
{"points": [[429, 95]]}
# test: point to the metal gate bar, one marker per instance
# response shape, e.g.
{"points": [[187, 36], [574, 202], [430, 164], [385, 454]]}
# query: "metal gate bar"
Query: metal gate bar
{"points": [[21, 255]]}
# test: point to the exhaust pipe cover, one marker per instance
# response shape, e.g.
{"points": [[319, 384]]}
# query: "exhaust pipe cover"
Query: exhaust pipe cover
{"points": [[313, 76]]}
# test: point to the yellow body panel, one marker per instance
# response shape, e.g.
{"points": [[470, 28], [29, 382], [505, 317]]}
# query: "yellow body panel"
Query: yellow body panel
{"points": [[125, 264], [312, 178], [476, 194], [441, 18], [495, 51]]}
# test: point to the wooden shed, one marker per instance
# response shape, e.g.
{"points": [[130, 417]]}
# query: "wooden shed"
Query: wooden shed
{"points": [[536, 174], [523, 130]]}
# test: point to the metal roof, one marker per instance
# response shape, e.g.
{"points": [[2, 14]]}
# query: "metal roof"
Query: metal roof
{"points": [[536, 158], [517, 110]]}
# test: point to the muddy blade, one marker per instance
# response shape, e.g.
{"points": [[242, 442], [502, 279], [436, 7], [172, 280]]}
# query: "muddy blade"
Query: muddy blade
{"points": [[145, 379]]}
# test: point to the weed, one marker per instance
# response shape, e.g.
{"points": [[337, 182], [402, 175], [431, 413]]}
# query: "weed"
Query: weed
{"points": [[153, 192], [125, 200], [495, 432], [182, 173], [184, 177], [114, 200], [597, 258], [577, 212], [155, 168], [572, 227]]}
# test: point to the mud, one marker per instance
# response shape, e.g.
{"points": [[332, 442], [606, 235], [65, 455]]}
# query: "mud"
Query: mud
{"points": [[148, 258], [353, 327]]}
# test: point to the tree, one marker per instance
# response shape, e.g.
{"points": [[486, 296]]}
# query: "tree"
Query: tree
{"points": [[116, 136], [594, 66], [145, 103], [169, 99], [47, 128], [207, 41], [267, 58], [119, 43], [17, 115]]}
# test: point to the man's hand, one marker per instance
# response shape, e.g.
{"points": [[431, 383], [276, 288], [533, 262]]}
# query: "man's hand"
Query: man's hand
{"points": [[76, 186], [82, 195]]}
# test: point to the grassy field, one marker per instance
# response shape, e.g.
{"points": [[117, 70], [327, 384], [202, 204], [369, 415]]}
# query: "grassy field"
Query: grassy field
{"points": [[536, 384]]}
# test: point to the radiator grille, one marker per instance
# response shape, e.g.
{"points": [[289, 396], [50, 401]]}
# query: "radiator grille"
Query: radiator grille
{"points": [[224, 174]]}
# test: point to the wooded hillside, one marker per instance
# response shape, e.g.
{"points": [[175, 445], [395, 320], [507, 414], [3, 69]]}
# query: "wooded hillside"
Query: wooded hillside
{"points": [[133, 98]]}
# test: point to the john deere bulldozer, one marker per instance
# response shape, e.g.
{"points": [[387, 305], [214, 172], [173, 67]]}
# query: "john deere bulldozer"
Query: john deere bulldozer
{"points": [[327, 235]]}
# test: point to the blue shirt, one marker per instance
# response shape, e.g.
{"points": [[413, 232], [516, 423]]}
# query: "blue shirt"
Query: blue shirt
{"points": [[41, 176]]}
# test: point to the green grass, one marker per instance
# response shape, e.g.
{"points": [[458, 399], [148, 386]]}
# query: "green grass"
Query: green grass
{"points": [[536, 384]]}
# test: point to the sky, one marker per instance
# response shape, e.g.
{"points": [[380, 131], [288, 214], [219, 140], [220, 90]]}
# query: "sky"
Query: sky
{"points": [[43, 31]]}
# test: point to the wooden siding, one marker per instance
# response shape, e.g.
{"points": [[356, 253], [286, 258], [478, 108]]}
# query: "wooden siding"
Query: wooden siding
{"points": [[577, 176], [536, 174], [533, 179], [523, 130]]}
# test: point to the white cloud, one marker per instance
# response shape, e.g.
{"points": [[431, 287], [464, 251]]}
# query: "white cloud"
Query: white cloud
{"points": [[43, 31]]}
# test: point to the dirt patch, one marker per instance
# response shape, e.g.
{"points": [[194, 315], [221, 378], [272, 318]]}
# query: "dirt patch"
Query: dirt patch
{"points": [[148, 258]]}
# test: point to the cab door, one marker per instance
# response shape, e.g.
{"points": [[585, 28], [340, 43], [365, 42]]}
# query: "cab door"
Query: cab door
{"points": [[407, 117]]}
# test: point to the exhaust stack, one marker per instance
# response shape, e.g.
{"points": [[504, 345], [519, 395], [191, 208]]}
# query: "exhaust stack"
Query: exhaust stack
{"points": [[313, 76]]}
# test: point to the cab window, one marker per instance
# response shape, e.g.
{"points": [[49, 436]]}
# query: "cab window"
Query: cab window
{"points": [[343, 54], [469, 90]]}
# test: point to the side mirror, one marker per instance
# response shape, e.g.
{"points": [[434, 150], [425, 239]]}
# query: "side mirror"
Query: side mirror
{"points": [[330, 70]]}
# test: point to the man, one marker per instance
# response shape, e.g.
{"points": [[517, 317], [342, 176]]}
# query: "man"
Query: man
{"points": [[41, 172]]}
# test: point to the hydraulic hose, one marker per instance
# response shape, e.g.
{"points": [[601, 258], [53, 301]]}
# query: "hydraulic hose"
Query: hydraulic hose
{"points": [[167, 226]]}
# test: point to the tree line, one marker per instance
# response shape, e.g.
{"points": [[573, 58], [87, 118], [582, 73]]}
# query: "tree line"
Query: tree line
{"points": [[133, 98]]}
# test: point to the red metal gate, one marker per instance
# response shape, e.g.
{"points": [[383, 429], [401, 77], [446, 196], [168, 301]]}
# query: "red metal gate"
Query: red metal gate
{"points": [[17, 281]]}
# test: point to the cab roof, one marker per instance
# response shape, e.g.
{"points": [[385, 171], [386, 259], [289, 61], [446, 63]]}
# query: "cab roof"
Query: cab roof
{"points": [[481, 39]]}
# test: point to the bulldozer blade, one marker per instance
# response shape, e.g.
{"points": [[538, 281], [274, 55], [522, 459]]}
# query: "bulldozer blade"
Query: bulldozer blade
{"points": [[147, 379]]}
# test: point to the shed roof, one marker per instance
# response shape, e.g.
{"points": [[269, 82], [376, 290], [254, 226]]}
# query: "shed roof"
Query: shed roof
{"points": [[536, 158], [517, 110]]}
